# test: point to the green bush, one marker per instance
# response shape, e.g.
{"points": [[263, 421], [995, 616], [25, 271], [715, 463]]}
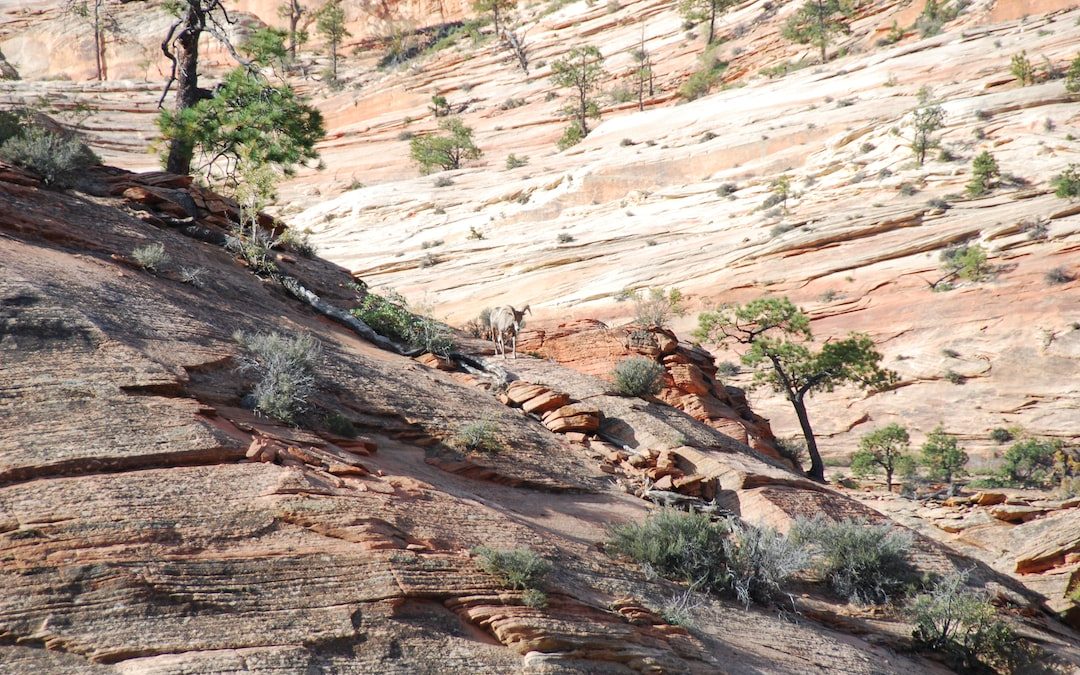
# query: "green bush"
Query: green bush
{"points": [[704, 79], [478, 437], [298, 241], [389, 316], [961, 623], [678, 610], [942, 455], [286, 366], [515, 162], [984, 169], [1058, 275], [759, 562], [1067, 183], [676, 545], [535, 598], [1072, 76], [150, 257], [519, 568], [434, 152], [638, 376], [1001, 435], [339, 424], [1021, 69], [13, 123], [571, 136], [1030, 462], [966, 261], [860, 561], [885, 449], [57, 158]]}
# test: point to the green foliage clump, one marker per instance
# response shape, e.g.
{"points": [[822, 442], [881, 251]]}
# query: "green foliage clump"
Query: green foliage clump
{"points": [[1001, 435], [150, 257], [885, 449], [1021, 68], [1030, 462], [702, 80], [286, 366], [248, 124], [638, 376], [478, 437], [581, 70], [266, 47], [656, 306], [389, 316], [1067, 183], [942, 455], [1072, 76], [696, 11], [676, 545], [967, 261], [434, 152], [515, 162], [817, 22], [521, 569], [56, 157], [440, 107], [861, 561], [960, 623], [936, 14], [984, 169]]}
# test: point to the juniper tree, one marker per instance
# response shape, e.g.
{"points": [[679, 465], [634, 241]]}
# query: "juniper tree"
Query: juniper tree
{"points": [[582, 70], [434, 151], [778, 339], [984, 169], [943, 456], [817, 22]]}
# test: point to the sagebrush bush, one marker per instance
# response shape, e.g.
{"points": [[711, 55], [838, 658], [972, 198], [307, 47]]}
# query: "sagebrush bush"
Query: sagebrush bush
{"points": [[678, 610], [961, 623], [760, 561], [676, 545], [860, 561], [57, 158], [657, 306], [521, 569], [478, 437], [1067, 183], [286, 366], [150, 257], [638, 376]]}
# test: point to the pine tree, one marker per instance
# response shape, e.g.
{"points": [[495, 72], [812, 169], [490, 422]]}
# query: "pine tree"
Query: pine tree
{"points": [[582, 70], [330, 23], [817, 22]]}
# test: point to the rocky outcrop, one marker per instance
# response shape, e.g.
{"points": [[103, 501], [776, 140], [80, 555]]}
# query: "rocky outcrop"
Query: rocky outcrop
{"points": [[690, 383]]}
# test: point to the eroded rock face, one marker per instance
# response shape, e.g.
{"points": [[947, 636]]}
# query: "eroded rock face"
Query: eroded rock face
{"points": [[690, 383]]}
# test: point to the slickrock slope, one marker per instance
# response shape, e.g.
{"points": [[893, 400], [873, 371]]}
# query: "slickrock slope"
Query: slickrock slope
{"points": [[150, 524]]}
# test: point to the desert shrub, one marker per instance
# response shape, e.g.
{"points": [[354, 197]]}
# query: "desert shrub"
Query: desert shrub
{"points": [[515, 162], [298, 241], [511, 103], [478, 437], [961, 623], [193, 276], [676, 545], [1068, 489], [1021, 68], [954, 377], [13, 123], [638, 376], [942, 455], [1067, 183], [967, 261], [657, 306], [339, 424], [935, 15], [727, 368], [1001, 435], [759, 562], [57, 158], [1058, 275], [1072, 76], [861, 561], [885, 449], [443, 181], [571, 136], [535, 598], [726, 189], [564, 238], [678, 610], [286, 366], [984, 169], [389, 316], [702, 80], [150, 257], [1030, 462], [793, 448], [519, 568]]}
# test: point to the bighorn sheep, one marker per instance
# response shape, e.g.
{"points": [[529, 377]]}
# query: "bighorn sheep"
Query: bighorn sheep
{"points": [[506, 320]]}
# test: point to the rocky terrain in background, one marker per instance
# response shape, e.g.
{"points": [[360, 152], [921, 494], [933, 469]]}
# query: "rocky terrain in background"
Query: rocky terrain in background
{"points": [[150, 522]]}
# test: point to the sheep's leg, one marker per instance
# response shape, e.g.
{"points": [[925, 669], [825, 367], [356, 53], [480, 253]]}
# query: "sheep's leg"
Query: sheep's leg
{"points": [[513, 339]]}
